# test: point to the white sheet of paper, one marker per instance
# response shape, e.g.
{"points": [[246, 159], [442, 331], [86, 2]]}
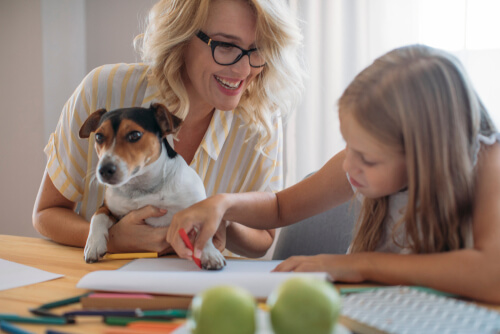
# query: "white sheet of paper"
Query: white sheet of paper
{"points": [[182, 277], [14, 275], [166, 264]]}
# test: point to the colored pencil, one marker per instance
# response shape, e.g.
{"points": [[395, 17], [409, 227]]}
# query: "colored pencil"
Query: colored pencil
{"points": [[124, 256], [11, 329], [34, 320], [188, 244]]}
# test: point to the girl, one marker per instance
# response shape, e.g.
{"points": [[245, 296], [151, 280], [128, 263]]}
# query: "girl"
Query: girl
{"points": [[422, 156]]}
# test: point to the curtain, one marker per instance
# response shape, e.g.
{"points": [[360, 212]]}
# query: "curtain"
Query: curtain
{"points": [[341, 37]]}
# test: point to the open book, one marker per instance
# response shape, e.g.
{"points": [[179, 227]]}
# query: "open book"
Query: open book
{"points": [[183, 278]]}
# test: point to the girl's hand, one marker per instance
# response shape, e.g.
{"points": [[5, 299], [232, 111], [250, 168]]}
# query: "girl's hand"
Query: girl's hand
{"points": [[132, 234], [205, 217], [344, 268]]}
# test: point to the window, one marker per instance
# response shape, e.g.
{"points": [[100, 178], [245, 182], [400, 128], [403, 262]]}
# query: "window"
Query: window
{"points": [[341, 37], [470, 30]]}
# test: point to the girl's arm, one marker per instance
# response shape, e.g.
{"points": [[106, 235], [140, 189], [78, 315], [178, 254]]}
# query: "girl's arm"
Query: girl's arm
{"points": [[473, 273], [325, 189]]}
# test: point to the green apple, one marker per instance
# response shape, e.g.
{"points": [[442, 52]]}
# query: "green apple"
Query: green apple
{"points": [[304, 305], [222, 310]]}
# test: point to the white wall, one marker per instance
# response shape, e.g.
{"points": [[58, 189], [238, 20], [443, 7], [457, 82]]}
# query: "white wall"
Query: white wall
{"points": [[64, 55], [47, 46], [21, 127], [110, 33], [80, 35]]}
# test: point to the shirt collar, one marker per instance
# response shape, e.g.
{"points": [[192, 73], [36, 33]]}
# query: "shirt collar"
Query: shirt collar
{"points": [[217, 133]]}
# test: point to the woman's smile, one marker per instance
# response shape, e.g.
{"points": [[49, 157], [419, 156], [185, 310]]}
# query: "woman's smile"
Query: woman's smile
{"points": [[229, 86]]}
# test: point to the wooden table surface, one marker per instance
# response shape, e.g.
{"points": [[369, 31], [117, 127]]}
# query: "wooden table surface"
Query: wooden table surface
{"points": [[68, 261], [52, 257]]}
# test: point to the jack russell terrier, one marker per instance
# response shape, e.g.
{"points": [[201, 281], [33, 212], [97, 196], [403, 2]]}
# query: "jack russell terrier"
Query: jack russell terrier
{"points": [[140, 168]]}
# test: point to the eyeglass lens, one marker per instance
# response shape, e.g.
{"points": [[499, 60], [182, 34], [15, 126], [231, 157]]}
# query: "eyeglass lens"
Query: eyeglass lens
{"points": [[227, 54]]}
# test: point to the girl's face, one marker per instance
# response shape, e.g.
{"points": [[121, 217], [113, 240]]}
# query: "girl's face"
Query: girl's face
{"points": [[209, 84], [375, 169]]}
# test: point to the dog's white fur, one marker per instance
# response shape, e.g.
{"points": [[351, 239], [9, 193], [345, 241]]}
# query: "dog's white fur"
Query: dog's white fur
{"points": [[167, 183]]}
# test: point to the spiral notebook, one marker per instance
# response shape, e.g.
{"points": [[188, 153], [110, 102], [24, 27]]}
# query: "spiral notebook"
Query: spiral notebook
{"points": [[407, 310]]}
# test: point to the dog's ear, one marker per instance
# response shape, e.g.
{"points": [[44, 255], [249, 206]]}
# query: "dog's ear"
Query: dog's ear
{"points": [[91, 124], [168, 122]]}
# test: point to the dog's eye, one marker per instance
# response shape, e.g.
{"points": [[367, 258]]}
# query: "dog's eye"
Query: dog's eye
{"points": [[99, 138], [134, 136]]}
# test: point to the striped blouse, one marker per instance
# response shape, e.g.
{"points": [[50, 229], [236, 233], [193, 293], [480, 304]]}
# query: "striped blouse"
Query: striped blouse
{"points": [[226, 159]]}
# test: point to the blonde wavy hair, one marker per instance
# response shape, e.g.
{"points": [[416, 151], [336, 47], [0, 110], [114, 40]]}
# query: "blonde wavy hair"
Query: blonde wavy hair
{"points": [[274, 92], [420, 101]]}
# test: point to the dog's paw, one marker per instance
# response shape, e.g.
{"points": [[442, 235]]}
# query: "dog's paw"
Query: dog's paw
{"points": [[212, 259], [95, 248], [97, 241]]}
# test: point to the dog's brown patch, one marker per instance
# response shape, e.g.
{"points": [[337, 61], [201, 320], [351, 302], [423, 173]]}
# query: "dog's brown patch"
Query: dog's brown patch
{"points": [[107, 133], [135, 154], [168, 122], [104, 210], [91, 123]]}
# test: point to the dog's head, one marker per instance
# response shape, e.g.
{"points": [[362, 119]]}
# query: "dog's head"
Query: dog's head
{"points": [[128, 139]]}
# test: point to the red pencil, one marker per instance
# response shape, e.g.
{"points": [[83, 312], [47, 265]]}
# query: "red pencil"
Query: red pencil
{"points": [[188, 244]]}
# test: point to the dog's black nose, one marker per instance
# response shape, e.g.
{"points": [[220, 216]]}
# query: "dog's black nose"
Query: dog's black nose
{"points": [[107, 170]]}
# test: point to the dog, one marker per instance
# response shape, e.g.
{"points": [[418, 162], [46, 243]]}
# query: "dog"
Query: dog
{"points": [[140, 168]]}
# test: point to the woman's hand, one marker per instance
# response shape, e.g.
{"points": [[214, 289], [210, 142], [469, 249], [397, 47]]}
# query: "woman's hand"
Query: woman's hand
{"points": [[343, 268], [133, 234], [205, 217]]}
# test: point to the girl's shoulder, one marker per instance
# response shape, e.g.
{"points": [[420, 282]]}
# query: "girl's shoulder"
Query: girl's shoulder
{"points": [[488, 158], [489, 140], [483, 142], [487, 189]]}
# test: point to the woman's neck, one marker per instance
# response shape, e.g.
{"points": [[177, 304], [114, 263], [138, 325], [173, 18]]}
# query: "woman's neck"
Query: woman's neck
{"points": [[191, 133]]}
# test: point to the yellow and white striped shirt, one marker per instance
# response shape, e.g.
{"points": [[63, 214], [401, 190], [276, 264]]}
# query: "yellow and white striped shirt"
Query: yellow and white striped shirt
{"points": [[226, 159]]}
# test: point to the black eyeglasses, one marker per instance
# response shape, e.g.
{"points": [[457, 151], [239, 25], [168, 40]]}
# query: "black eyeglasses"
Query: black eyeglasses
{"points": [[228, 54]]}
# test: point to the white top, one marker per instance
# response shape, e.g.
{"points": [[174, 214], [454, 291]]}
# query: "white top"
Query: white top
{"points": [[226, 159], [397, 206]]}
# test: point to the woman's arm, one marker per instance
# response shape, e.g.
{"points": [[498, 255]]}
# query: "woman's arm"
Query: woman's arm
{"points": [[473, 273], [261, 210], [54, 217], [248, 242]]}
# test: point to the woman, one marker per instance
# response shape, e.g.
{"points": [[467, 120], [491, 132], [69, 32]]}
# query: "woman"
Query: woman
{"points": [[229, 70]]}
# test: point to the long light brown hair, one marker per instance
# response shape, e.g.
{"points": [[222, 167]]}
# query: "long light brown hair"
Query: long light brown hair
{"points": [[274, 92], [420, 101]]}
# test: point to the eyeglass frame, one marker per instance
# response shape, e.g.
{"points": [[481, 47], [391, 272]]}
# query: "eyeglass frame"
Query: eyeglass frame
{"points": [[213, 44]]}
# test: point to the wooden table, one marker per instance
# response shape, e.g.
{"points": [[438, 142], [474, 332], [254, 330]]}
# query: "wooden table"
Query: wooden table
{"points": [[68, 261]]}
